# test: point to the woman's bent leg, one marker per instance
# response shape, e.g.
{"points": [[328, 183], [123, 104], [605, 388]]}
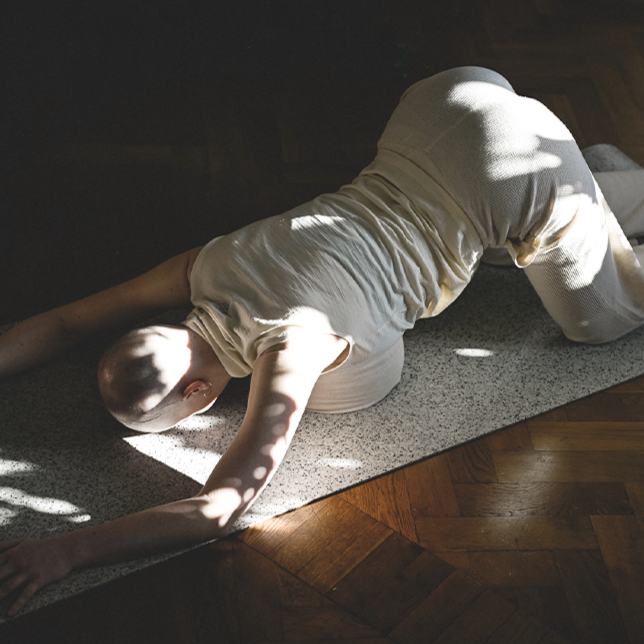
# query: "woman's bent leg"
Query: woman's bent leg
{"points": [[518, 174], [589, 279]]}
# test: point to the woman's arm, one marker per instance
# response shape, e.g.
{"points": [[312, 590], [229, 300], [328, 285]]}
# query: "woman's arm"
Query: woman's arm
{"points": [[46, 335], [280, 387]]}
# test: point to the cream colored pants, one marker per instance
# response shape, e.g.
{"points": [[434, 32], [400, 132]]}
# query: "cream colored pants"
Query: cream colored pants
{"points": [[518, 174]]}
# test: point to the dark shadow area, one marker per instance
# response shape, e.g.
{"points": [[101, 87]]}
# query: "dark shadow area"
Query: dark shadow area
{"points": [[134, 132]]}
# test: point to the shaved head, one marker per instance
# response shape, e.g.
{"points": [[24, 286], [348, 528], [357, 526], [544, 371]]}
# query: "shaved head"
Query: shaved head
{"points": [[155, 377], [139, 374]]}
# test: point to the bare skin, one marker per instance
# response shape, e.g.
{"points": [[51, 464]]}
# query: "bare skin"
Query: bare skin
{"points": [[281, 384]]}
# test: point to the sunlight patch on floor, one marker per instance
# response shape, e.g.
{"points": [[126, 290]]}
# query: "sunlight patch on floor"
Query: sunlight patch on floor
{"points": [[8, 467], [199, 423], [341, 463], [194, 462], [15, 498], [474, 353]]}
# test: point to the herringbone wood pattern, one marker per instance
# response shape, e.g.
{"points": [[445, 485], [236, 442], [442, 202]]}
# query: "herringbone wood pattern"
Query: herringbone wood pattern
{"points": [[532, 534]]}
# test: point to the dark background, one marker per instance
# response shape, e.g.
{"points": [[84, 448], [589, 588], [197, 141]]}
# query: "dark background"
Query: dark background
{"points": [[134, 131]]}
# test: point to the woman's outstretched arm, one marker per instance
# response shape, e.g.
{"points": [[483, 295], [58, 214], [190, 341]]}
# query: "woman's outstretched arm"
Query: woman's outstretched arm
{"points": [[280, 387], [44, 336]]}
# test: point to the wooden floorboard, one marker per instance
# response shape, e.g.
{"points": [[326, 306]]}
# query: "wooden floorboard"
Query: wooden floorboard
{"points": [[532, 534]]}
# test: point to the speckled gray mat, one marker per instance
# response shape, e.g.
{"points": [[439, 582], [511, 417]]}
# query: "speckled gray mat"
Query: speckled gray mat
{"points": [[492, 359]]}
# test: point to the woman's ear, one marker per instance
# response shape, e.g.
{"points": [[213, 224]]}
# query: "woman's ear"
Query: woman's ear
{"points": [[197, 387]]}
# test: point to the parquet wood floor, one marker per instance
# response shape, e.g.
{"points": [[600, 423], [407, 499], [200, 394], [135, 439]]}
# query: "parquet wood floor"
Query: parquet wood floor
{"points": [[532, 534]]}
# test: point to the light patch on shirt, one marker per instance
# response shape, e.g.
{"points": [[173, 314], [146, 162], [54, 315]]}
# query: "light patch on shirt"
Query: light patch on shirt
{"points": [[314, 221], [531, 162]]}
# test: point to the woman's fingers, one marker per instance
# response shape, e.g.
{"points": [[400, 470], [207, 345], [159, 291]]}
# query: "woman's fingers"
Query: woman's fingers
{"points": [[25, 596], [16, 570], [28, 565], [11, 584], [7, 545], [6, 570]]}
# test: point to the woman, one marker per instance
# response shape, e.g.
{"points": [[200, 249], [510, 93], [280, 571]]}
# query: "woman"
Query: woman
{"points": [[315, 302]]}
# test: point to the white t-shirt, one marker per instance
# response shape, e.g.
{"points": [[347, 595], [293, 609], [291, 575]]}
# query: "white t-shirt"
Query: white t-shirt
{"points": [[363, 263]]}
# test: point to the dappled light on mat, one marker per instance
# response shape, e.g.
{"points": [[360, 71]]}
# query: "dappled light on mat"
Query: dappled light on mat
{"points": [[199, 422], [8, 467], [341, 463], [474, 353], [18, 499], [194, 462]]}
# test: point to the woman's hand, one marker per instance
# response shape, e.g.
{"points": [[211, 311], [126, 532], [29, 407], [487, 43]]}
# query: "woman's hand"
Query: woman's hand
{"points": [[30, 564]]}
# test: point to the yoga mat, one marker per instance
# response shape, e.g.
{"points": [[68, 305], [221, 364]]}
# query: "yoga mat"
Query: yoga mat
{"points": [[490, 360]]}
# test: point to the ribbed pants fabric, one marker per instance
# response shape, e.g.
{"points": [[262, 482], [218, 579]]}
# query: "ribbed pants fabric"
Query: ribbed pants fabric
{"points": [[518, 174]]}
